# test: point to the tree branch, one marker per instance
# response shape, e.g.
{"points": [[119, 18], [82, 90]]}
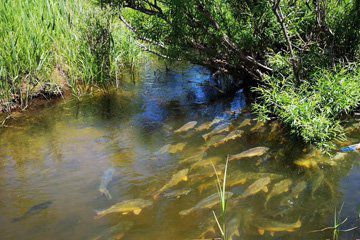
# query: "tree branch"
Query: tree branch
{"points": [[281, 19], [131, 28], [146, 7]]}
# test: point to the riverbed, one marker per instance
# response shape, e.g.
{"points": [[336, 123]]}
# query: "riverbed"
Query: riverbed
{"points": [[52, 161]]}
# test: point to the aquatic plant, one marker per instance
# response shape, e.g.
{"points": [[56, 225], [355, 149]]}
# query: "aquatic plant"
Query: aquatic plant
{"points": [[221, 188], [336, 226]]}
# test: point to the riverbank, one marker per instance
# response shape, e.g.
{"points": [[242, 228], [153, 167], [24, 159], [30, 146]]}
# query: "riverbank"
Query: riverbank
{"points": [[304, 58], [52, 47]]}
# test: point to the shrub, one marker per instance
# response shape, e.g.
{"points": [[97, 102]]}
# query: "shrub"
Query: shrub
{"points": [[312, 108]]}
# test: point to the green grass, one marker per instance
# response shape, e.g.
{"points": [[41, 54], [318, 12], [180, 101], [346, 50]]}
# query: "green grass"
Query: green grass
{"points": [[47, 42], [221, 188], [314, 107]]}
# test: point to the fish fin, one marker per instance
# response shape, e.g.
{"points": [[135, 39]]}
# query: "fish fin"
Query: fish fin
{"points": [[137, 211], [185, 178], [125, 213], [290, 230], [261, 231], [265, 189], [237, 233], [272, 234], [178, 197]]}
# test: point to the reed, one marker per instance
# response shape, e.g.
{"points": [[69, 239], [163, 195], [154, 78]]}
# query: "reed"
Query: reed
{"points": [[221, 188], [64, 42]]}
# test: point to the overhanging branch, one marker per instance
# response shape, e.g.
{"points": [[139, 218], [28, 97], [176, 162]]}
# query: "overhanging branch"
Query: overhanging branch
{"points": [[131, 28]]}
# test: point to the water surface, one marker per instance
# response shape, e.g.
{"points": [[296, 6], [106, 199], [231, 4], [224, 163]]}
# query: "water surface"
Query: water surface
{"points": [[60, 153]]}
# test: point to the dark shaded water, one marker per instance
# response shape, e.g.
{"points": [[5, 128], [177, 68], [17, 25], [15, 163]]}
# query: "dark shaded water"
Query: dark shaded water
{"points": [[52, 162]]}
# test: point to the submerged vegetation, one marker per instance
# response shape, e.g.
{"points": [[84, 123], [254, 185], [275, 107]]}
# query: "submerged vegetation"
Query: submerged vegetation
{"points": [[47, 45]]}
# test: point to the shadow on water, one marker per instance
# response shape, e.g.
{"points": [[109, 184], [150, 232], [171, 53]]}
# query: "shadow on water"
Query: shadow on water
{"points": [[60, 154]]}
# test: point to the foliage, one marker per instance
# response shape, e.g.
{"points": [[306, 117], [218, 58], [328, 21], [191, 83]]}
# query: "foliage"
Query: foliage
{"points": [[311, 108], [301, 53], [51, 42], [221, 188]]}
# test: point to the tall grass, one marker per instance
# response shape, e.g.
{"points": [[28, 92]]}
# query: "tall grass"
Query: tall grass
{"points": [[76, 39], [221, 188]]}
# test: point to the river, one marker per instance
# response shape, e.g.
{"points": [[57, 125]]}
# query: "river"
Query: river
{"points": [[52, 161]]}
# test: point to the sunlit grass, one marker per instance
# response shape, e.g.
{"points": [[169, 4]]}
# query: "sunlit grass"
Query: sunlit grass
{"points": [[221, 188], [85, 44], [313, 108]]}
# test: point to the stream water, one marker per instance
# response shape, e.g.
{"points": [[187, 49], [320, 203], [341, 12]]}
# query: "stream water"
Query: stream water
{"points": [[52, 161]]}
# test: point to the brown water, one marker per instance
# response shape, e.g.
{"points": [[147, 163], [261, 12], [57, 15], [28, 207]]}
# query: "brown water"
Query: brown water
{"points": [[58, 155]]}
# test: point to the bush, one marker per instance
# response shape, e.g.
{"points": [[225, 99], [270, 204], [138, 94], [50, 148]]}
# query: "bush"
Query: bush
{"points": [[312, 108]]}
